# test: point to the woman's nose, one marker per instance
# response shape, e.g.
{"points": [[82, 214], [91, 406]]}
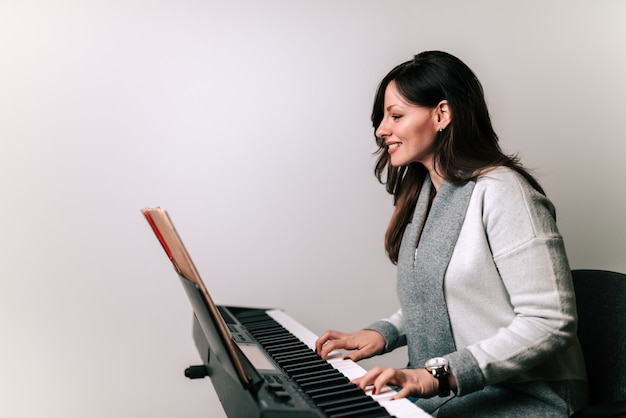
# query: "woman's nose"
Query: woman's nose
{"points": [[382, 130]]}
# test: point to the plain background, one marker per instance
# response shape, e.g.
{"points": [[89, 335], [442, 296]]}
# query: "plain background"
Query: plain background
{"points": [[249, 122]]}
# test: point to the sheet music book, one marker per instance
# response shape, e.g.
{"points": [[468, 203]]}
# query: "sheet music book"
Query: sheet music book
{"points": [[171, 242]]}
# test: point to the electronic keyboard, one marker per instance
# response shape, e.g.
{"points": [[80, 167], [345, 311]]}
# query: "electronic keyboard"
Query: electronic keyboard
{"points": [[296, 382]]}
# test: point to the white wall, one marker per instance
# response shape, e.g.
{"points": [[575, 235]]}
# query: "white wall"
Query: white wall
{"points": [[249, 122]]}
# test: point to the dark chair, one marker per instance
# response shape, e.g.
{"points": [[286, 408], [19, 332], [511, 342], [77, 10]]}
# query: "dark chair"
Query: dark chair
{"points": [[601, 299]]}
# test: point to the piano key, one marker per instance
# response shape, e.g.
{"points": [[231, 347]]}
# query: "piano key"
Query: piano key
{"points": [[334, 392], [309, 384], [275, 339], [372, 411], [310, 364], [342, 407], [316, 374], [283, 348], [305, 357]]}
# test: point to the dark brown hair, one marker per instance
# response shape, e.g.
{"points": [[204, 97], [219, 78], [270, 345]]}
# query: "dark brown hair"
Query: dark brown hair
{"points": [[464, 148]]}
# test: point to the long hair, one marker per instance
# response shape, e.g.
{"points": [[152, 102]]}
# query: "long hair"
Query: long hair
{"points": [[463, 149]]}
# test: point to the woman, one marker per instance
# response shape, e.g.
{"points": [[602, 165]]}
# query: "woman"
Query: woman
{"points": [[487, 304]]}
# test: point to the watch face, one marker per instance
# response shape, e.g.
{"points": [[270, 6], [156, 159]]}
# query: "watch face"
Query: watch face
{"points": [[436, 362]]}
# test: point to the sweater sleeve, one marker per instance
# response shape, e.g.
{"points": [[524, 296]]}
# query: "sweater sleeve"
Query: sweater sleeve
{"points": [[392, 329], [530, 258]]}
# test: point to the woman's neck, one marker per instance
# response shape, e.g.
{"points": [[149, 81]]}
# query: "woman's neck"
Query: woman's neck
{"points": [[435, 178]]}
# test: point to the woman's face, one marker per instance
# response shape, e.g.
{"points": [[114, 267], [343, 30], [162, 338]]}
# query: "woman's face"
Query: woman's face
{"points": [[409, 131]]}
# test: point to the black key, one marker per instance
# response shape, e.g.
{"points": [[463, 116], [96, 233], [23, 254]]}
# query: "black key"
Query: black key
{"points": [[364, 402], [320, 383], [365, 412], [336, 392], [300, 376]]}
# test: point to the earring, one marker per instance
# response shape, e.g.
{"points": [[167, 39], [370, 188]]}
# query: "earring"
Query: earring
{"points": [[440, 130]]}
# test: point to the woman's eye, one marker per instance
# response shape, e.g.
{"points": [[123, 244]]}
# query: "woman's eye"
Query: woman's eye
{"points": [[396, 117]]}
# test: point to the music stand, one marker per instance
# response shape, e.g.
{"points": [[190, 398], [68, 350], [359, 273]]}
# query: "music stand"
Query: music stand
{"points": [[229, 369]]}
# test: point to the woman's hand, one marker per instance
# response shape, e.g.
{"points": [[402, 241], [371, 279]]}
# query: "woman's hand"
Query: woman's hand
{"points": [[414, 382], [365, 343]]}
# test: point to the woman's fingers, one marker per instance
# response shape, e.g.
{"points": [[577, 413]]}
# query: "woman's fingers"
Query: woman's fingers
{"points": [[329, 341], [377, 377], [365, 343], [413, 382]]}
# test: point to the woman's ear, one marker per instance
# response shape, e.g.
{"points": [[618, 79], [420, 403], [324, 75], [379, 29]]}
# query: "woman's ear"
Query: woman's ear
{"points": [[443, 114]]}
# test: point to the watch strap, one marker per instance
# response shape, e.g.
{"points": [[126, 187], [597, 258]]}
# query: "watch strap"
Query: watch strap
{"points": [[444, 383], [441, 373]]}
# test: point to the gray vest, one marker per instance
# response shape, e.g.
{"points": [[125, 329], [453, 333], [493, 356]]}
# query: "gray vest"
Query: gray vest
{"points": [[422, 267]]}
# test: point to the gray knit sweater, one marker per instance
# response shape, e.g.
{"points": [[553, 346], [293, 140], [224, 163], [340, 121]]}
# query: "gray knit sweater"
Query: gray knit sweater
{"points": [[507, 294]]}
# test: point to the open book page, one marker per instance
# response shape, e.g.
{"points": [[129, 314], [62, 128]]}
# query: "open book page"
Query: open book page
{"points": [[171, 242]]}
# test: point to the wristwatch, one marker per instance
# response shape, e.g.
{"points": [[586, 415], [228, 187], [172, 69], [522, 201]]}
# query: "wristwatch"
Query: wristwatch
{"points": [[438, 367]]}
